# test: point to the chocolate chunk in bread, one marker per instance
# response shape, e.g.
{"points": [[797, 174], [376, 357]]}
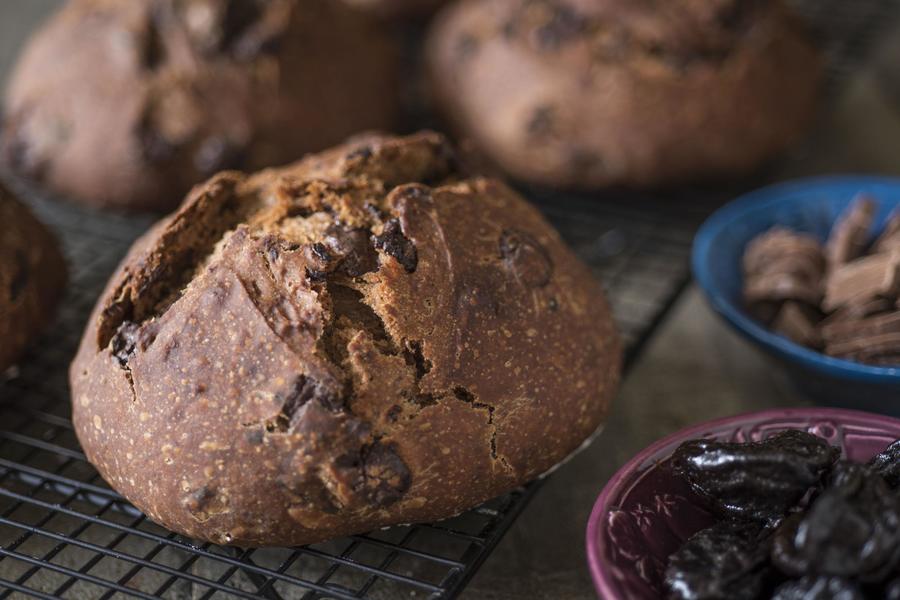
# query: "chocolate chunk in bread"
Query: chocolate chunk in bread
{"points": [[366, 337]]}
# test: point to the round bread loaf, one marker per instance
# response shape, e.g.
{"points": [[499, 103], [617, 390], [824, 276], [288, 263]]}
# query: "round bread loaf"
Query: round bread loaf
{"points": [[587, 93], [32, 277], [129, 104], [361, 339]]}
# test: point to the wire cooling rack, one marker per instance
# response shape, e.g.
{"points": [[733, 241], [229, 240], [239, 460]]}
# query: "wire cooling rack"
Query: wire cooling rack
{"points": [[65, 533]]}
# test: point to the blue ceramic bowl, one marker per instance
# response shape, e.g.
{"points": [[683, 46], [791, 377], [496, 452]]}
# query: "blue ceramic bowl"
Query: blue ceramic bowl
{"points": [[812, 206]]}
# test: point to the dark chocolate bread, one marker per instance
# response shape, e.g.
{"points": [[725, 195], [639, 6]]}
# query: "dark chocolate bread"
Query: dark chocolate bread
{"points": [[364, 338], [32, 277], [129, 104], [639, 93]]}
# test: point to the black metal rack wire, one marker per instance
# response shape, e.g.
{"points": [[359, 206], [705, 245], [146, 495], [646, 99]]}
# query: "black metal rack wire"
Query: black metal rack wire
{"points": [[65, 534]]}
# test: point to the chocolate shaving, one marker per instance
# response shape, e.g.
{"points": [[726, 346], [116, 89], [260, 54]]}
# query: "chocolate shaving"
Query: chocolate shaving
{"points": [[864, 279], [844, 299]]}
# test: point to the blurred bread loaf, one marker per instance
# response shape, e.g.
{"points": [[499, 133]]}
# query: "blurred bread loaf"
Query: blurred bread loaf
{"points": [[590, 93], [129, 104]]}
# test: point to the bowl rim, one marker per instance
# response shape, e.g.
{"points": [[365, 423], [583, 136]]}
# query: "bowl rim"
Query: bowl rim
{"points": [[761, 199], [603, 583]]}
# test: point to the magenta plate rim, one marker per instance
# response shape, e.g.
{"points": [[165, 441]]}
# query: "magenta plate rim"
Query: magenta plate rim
{"points": [[596, 543]]}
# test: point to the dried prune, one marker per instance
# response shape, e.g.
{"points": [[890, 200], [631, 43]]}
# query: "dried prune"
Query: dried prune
{"points": [[851, 530], [818, 588], [887, 464], [727, 560], [755, 480]]}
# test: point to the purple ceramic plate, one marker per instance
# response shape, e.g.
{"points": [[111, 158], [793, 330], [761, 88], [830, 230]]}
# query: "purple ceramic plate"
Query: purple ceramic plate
{"points": [[644, 513]]}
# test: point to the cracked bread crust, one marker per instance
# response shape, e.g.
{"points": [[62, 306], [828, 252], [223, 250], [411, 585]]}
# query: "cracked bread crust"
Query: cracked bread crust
{"points": [[363, 338], [32, 277], [129, 104], [587, 93]]}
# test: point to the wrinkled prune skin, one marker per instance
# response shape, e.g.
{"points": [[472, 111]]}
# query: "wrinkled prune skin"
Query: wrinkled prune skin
{"points": [[818, 588], [756, 480], [887, 464], [892, 590], [727, 560], [851, 530]]}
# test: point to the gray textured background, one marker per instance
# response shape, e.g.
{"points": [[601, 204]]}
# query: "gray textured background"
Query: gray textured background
{"points": [[694, 369]]}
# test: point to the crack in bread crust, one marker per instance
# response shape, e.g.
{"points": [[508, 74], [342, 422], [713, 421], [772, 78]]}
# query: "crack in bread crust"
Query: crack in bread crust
{"points": [[341, 346]]}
